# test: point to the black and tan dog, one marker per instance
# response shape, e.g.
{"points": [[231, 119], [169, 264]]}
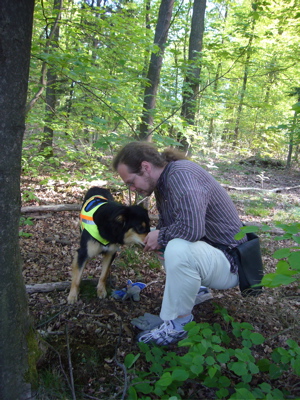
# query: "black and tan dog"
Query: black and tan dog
{"points": [[104, 225]]}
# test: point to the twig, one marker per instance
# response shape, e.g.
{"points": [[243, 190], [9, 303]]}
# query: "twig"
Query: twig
{"points": [[90, 397], [141, 201], [50, 319], [60, 362], [121, 365], [279, 333], [70, 364]]}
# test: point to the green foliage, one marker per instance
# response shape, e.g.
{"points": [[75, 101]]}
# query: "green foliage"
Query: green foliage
{"points": [[224, 360], [210, 359], [274, 206], [288, 267], [28, 195], [154, 263], [129, 257], [101, 57], [23, 222], [257, 211]]}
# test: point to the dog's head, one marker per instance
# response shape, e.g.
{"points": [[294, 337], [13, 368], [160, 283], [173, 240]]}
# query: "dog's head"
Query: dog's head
{"points": [[134, 224]]}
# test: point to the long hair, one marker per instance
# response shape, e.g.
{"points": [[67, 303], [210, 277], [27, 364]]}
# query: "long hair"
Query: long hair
{"points": [[134, 153]]}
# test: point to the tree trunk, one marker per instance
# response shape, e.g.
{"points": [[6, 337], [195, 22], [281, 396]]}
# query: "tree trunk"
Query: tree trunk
{"points": [[291, 142], [211, 129], [192, 79], [160, 38], [296, 92], [15, 41], [51, 89], [244, 86]]}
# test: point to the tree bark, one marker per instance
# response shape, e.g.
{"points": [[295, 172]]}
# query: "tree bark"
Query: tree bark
{"points": [[244, 85], [211, 129], [153, 76], [292, 131], [192, 79], [51, 89], [16, 19]]}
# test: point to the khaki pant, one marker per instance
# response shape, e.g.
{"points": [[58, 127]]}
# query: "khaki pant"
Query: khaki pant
{"points": [[189, 266]]}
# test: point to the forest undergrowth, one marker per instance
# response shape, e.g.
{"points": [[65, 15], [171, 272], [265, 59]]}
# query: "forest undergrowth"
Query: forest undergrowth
{"points": [[85, 347]]}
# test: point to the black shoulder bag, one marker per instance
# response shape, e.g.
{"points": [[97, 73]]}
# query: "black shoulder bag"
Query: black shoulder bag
{"points": [[248, 258]]}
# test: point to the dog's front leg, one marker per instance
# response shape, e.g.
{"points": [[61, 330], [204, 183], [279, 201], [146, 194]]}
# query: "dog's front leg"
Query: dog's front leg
{"points": [[76, 278], [106, 263]]}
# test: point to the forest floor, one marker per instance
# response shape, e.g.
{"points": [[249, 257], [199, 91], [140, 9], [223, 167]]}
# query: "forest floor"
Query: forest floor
{"points": [[95, 335]]}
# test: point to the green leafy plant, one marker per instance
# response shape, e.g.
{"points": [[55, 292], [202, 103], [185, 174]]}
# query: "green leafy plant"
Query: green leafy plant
{"points": [[288, 267], [23, 222], [224, 360], [211, 360], [28, 195]]}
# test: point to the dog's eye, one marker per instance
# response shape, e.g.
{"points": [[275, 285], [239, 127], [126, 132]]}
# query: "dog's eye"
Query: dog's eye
{"points": [[140, 229]]}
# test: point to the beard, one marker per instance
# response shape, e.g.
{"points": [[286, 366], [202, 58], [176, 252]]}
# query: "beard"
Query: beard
{"points": [[151, 183]]}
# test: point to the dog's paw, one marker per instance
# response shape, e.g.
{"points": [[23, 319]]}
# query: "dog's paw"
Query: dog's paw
{"points": [[72, 298], [101, 292]]}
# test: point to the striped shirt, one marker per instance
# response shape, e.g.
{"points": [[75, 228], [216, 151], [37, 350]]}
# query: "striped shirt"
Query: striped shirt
{"points": [[193, 206]]}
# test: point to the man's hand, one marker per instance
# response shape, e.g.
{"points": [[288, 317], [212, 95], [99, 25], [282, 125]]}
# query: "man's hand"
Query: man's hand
{"points": [[151, 243]]}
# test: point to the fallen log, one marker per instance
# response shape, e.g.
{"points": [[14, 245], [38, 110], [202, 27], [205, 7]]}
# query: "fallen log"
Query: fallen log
{"points": [[60, 286], [52, 207], [47, 287], [60, 207], [276, 190]]}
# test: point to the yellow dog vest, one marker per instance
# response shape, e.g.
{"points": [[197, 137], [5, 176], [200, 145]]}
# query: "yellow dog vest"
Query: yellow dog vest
{"points": [[87, 217]]}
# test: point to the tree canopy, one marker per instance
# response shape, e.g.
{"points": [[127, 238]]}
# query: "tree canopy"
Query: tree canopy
{"points": [[95, 55]]}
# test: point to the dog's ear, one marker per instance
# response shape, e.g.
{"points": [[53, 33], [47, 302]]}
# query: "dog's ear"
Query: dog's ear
{"points": [[120, 219]]}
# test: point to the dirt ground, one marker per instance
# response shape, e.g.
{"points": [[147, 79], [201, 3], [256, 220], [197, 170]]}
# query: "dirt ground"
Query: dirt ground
{"points": [[95, 335]]}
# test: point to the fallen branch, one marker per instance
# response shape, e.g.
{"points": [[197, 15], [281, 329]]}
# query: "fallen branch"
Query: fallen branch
{"points": [[60, 207], [47, 287], [276, 190], [54, 208], [51, 286]]}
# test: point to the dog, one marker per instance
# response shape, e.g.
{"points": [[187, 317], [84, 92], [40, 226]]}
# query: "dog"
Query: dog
{"points": [[105, 224]]}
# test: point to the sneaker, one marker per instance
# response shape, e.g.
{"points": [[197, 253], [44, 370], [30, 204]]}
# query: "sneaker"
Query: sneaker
{"points": [[164, 335], [204, 294]]}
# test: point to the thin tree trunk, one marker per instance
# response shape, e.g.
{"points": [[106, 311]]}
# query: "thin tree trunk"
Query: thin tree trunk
{"points": [[296, 92], [153, 76], [211, 129], [192, 79], [244, 86], [47, 142], [291, 143]]}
